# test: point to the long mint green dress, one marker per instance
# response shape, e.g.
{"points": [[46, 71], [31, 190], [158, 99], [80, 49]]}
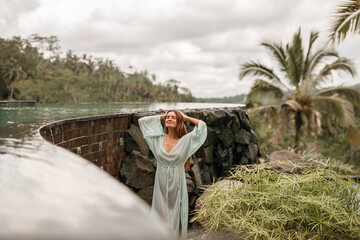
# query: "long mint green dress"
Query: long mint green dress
{"points": [[170, 197]]}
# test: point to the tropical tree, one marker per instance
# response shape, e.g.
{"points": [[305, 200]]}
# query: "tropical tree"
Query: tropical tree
{"points": [[13, 73], [35, 68], [346, 20], [294, 87]]}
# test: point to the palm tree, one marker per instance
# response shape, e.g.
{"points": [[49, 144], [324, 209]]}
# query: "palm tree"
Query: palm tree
{"points": [[346, 20], [294, 87], [13, 73]]}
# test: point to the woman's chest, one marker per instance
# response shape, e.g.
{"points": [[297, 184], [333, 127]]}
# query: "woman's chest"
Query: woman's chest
{"points": [[169, 144]]}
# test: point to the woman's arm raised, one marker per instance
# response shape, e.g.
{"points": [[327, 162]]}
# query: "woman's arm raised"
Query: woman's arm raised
{"points": [[194, 121]]}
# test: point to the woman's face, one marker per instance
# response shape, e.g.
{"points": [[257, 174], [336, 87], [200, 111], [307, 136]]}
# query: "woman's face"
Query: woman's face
{"points": [[170, 120]]}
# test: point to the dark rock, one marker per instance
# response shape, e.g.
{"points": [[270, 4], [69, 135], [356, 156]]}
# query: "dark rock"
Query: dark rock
{"points": [[200, 153], [197, 114], [221, 155], [135, 141], [244, 119], [227, 137], [192, 200], [217, 131], [254, 151], [244, 160], [231, 156], [251, 152], [235, 124], [254, 138], [137, 171], [215, 118], [226, 163], [189, 183], [239, 148], [243, 137], [201, 162], [286, 161], [208, 154], [196, 174], [211, 137], [215, 172], [153, 161], [189, 127], [146, 194], [206, 178]]}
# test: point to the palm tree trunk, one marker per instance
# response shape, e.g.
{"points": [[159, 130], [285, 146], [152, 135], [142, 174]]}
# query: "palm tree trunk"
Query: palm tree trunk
{"points": [[309, 130], [11, 93], [310, 122], [336, 125], [116, 93], [298, 124]]}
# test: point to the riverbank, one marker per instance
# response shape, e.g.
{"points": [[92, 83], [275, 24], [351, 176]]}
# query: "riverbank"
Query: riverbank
{"points": [[17, 103]]}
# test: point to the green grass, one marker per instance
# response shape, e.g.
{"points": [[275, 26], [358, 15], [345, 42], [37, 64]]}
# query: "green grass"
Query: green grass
{"points": [[320, 203]]}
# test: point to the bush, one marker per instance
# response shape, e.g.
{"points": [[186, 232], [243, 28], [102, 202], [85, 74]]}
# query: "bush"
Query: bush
{"points": [[320, 203]]}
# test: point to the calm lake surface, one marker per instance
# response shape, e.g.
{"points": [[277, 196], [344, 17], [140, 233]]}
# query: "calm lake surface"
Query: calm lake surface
{"points": [[14, 115]]}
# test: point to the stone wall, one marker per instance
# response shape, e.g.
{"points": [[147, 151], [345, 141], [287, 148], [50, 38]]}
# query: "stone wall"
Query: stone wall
{"points": [[99, 139], [115, 144]]}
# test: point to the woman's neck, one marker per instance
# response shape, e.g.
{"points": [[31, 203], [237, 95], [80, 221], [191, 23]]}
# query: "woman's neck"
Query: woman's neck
{"points": [[172, 133]]}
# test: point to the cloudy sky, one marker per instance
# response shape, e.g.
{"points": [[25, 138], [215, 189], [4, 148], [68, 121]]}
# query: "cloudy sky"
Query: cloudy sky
{"points": [[200, 43]]}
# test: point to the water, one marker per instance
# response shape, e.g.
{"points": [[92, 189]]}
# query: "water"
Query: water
{"points": [[13, 115], [47, 192]]}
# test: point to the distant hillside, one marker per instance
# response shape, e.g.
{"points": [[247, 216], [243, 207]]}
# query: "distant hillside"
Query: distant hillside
{"points": [[240, 98], [357, 86], [234, 99]]}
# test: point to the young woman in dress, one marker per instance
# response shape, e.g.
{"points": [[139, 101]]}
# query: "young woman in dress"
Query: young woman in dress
{"points": [[172, 147]]}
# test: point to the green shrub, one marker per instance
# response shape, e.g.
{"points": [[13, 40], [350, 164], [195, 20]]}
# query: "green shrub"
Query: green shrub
{"points": [[320, 203]]}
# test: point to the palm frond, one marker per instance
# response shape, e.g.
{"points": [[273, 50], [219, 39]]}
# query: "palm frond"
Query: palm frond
{"points": [[278, 53], [271, 109], [307, 88], [347, 19], [342, 64], [293, 105], [264, 93], [350, 94], [295, 59], [337, 107], [253, 68], [318, 57], [313, 37]]}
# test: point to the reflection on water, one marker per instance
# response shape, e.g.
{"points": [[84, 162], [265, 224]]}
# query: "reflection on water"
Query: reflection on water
{"points": [[13, 115]]}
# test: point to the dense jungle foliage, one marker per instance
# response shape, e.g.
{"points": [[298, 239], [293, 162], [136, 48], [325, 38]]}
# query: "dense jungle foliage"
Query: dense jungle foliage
{"points": [[330, 143], [34, 68]]}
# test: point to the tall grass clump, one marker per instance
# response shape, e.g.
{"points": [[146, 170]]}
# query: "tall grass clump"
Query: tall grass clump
{"points": [[320, 203]]}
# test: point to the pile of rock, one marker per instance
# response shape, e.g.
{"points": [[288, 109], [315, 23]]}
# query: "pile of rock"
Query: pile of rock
{"points": [[230, 141]]}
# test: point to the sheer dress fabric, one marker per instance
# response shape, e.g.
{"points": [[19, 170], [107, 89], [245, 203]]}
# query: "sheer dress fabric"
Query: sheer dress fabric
{"points": [[170, 197]]}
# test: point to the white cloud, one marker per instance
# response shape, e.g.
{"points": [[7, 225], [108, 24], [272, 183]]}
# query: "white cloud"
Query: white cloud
{"points": [[200, 43]]}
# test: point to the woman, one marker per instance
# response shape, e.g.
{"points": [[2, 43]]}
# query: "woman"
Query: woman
{"points": [[172, 146]]}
